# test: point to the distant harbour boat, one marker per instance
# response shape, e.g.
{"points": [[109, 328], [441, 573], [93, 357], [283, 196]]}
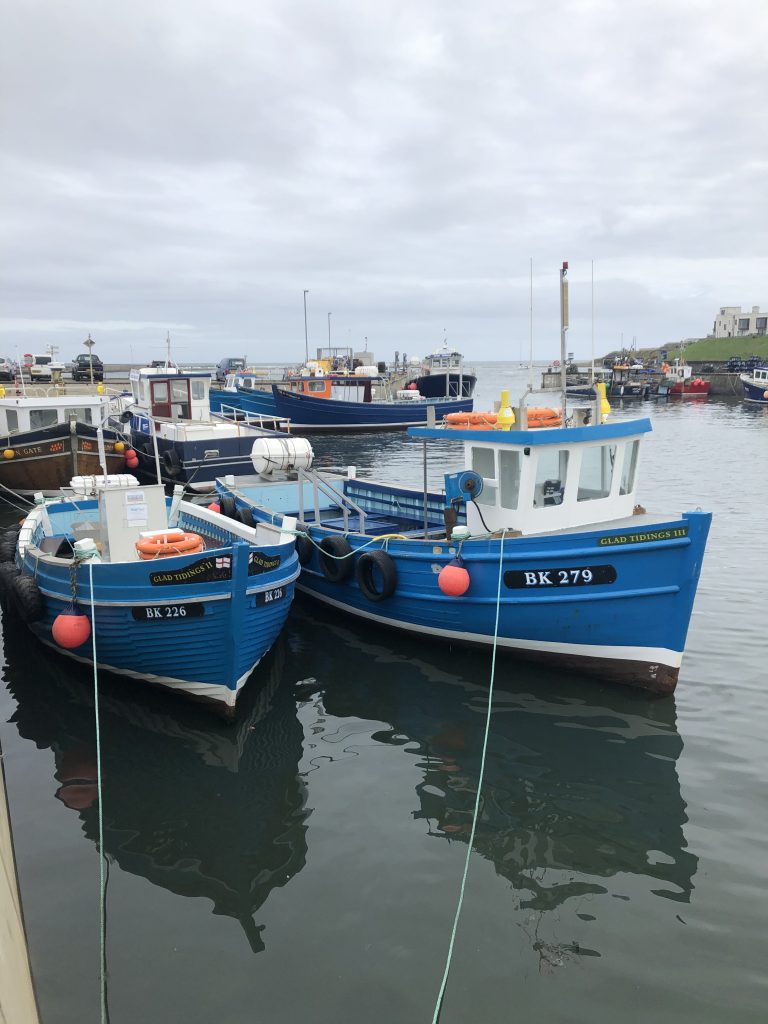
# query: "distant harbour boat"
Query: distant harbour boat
{"points": [[308, 413], [443, 375], [756, 385]]}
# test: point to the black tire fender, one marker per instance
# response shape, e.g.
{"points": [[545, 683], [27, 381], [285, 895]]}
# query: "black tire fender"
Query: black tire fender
{"points": [[334, 560], [245, 516], [8, 542], [228, 506], [8, 573], [28, 600], [171, 462], [367, 565]]}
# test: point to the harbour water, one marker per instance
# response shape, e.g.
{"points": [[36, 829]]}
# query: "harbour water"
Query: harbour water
{"points": [[304, 864]]}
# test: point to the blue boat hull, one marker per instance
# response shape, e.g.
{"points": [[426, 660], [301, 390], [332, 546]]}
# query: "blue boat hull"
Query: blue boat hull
{"points": [[435, 385], [260, 403], [198, 624], [627, 624], [306, 412], [755, 392]]}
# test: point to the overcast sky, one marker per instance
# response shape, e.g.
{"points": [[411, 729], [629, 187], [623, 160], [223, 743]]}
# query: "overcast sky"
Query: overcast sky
{"points": [[193, 167]]}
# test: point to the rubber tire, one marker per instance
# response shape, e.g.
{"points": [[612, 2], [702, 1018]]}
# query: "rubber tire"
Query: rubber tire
{"points": [[8, 542], [228, 506], [8, 573], [334, 570], [28, 600], [364, 574], [171, 462], [245, 516]]}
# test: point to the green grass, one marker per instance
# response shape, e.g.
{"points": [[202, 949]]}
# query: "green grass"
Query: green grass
{"points": [[711, 350]]}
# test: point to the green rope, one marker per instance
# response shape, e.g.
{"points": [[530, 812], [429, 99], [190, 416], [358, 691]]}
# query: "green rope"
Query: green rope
{"points": [[102, 908], [470, 844]]}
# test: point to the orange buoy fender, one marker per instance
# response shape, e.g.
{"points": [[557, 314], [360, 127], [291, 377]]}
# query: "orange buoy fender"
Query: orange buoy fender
{"points": [[71, 629], [454, 579]]}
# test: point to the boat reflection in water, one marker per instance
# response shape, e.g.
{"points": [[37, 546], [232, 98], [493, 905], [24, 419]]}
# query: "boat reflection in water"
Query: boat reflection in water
{"points": [[580, 786], [194, 805]]}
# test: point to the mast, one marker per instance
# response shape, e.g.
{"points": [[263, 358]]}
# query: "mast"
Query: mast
{"points": [[592, 380], [530, 329], [563, 329]]}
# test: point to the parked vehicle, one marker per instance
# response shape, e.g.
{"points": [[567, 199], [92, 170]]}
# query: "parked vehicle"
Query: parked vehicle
{"points": [[8, 368], [229, 365], [87, 367], [41, 367]]}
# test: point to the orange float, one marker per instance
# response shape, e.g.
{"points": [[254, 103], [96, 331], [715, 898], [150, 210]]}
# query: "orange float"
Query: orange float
{"points": [[543, 417], [471, 420], [164, 545]]}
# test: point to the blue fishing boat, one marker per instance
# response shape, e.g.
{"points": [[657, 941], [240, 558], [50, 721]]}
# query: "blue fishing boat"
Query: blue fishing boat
{"points": [[175, 437], [542, 526], [307, 412], [154, 588], [756, 385], [247, 392], [443, 374]]}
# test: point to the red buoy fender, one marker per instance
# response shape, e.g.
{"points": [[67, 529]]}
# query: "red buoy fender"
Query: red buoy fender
{"points": [[454, 579], [71, 629]]}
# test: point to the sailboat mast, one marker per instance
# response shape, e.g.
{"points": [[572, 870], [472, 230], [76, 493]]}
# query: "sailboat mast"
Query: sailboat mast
{"points": [[530, 330], [563, 329], [592, 380]]}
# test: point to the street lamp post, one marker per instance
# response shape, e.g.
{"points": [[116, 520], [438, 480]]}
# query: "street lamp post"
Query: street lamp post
{"points": [[329, 332], [306, 336]]}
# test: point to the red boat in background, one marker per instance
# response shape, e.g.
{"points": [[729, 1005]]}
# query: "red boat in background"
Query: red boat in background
{"points": [[683, 385]]}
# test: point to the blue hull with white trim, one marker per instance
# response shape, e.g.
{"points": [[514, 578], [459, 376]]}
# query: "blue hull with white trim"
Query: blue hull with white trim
{"points": [[611, 595], [308, 413], [197, 624]]}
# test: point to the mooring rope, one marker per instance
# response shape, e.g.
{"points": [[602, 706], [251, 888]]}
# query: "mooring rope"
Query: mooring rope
{"points": [[102, 882], [470, 844]]}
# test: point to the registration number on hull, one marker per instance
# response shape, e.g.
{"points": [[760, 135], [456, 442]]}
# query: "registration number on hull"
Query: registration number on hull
{"points": [[268, 596], [156, 612], [581, 576]]}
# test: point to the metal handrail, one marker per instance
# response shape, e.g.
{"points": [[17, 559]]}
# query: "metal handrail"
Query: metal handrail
{"points": [[343, 500]]}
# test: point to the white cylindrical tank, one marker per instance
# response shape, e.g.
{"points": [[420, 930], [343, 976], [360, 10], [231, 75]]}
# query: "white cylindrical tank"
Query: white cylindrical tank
{"points": [[408, 395], [367, 371], [273, 454]]}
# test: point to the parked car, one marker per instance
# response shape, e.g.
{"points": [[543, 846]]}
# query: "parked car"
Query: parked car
{"points": [[82, 365], [8, 368], [229, 365], [41, 367]]}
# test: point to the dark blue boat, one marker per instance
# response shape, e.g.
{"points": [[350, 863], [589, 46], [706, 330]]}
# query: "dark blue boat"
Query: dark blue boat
{"points": [[756, 385], [306, 412]]}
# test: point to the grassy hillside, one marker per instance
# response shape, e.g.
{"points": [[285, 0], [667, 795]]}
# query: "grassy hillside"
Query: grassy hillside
{"points": [[720, 350], [710, 350]]}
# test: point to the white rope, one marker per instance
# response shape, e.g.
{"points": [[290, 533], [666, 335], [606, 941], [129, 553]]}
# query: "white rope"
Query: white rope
{"points": [[102, 887], [470, 844]]}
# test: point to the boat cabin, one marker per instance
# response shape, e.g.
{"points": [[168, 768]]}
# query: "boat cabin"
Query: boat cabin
{"points": [[537, 481], [167, 393], [22, 413], [318, 387], [443, 360]]}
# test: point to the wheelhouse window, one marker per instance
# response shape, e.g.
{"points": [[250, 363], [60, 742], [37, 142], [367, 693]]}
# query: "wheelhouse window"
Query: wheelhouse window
{"points": [[316, 385], [82, 413], [198, 390], [509, 477], [160, 392], [630, 466], [484, 463], [41, 418], [551, 471], [12, 419], [180, 398], [596, 474]]}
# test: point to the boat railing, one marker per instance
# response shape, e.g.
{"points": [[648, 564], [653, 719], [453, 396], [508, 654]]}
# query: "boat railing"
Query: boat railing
{"points": [[248, 418], [319, 486]]}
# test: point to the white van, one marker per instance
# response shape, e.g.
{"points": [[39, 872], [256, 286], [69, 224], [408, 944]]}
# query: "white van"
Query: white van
{"points": [[41, 366]]}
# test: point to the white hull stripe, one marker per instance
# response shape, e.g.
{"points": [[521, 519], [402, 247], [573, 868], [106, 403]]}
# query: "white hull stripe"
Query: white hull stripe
{"points": [[219, 694], [652, 655]]}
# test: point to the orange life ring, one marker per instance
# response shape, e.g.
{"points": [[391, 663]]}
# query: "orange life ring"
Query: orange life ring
{"points": [[541, 416], [471, 420], [164, 545]]}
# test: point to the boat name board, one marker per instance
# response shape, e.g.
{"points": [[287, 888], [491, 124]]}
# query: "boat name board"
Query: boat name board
{"points": [[153, 613], [643, 538], [268, 596], [204, 570], [582, 576], [258, 562]]}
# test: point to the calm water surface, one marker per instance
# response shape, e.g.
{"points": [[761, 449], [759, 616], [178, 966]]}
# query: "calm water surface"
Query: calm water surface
{"points": [[304, 864]]}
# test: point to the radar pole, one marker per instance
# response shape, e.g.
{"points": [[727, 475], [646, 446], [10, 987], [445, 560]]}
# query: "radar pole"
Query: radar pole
{"points": [[563, 330]]}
